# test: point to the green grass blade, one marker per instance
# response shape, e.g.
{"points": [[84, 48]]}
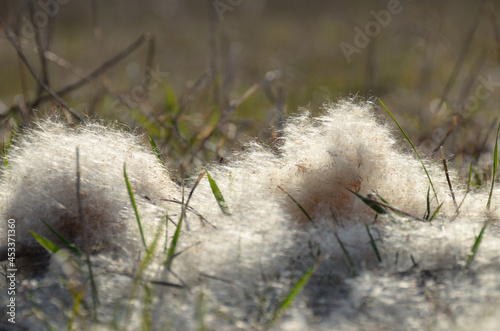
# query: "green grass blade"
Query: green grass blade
{"points": [[347, 255], [375, 207], [65, 241], [47, 244], [394, 210], [436, 212], [218, 195], [155, 149], [428, 204], [138, 278], [296, 289], [412, 146], [132, 200], [495, 164], [476, 245], [374, 245], [298, 204], [173, 243]]}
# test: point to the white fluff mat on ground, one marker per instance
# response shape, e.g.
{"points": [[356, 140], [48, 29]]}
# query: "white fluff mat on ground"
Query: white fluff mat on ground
{"points": [[336, 228]]}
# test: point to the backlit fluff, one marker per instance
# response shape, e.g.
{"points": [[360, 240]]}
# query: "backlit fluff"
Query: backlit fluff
{"points": [[241, 267], [40, 183]]}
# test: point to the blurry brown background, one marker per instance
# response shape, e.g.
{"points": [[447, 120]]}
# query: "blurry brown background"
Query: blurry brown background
{"points": [[432, 63]]}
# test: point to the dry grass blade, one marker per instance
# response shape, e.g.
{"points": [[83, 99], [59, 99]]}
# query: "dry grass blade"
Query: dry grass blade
{"points": [[452, 126], [495, 165], [30, 67], [105, 66], [466, 191], [83, 220], [494, 23], [448, 178], [462, 56], [40, 46]]}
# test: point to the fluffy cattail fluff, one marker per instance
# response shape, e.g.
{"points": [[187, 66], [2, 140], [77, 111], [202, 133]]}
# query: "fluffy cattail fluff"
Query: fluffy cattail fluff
{"points": [[39, 184], [392, 273]]}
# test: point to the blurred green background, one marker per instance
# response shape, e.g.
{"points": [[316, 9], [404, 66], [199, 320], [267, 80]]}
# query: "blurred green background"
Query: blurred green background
{"points": [[210, 74]]}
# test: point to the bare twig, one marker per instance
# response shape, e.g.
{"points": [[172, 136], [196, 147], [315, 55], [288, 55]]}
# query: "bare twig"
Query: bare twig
{"points": [[47, 88], [83, 221], [494, 24], [452, 126], [461, 57], [191, 209], [149, 63], [105, 66], [212, 43], [41, 48], [90, 77]]}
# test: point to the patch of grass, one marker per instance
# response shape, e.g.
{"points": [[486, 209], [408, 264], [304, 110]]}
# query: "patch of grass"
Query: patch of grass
{"points": [[428, 216], [78, 292], [175, 238], [479, 238], [138, 278]]}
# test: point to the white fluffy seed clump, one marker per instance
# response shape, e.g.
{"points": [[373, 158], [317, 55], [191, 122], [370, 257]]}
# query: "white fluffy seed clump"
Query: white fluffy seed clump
{"points": [[240, 267], [39, 183]]}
